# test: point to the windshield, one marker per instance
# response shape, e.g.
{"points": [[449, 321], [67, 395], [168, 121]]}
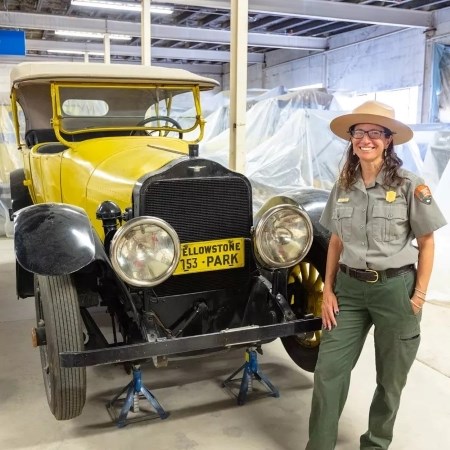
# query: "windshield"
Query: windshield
{"points": [[84, 108]]}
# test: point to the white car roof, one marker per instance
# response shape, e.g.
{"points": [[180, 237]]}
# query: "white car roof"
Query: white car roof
{"points": [[126, 73]]}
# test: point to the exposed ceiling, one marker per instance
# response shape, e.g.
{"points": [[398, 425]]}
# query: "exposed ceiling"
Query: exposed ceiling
{"points": [[198, 31]]}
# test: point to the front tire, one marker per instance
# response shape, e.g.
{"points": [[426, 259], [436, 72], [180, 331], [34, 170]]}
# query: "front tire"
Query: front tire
{"points": [[305, 294], [57, 309]]}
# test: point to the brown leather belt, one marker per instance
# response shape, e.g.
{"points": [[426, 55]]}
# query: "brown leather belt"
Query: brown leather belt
{"points": [[372, 276]]}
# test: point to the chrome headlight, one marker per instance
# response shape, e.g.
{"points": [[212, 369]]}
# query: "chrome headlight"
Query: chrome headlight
{"points": [[283, 236], [145, 251]]}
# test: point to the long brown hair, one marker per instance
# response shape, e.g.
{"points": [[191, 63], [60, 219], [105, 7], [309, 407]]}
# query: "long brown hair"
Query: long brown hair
{"points": [[391, 164]]}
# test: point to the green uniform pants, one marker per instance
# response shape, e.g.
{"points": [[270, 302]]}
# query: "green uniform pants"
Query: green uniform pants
{"points": [[386, 305]]}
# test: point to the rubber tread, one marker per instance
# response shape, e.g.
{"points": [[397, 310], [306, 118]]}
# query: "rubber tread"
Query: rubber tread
{"points": [[63, 325]]}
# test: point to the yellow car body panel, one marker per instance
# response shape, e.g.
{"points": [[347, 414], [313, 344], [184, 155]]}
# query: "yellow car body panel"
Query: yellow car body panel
{"points": [[92, 170], [46, 170], [110, 168]]}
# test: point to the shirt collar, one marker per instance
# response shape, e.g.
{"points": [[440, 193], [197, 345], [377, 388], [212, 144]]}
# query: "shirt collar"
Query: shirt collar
{"points": [[378, 180], [380, 177]]}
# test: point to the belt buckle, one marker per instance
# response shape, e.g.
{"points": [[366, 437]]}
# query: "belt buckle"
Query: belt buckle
{"points": [[375, 272]]}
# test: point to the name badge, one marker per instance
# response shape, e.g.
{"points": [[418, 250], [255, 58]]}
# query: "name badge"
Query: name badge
{"points": [[343, 200], [390, 196]]}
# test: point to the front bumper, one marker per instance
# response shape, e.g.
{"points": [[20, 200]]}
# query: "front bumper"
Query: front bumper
{"points": [[221, 340]]}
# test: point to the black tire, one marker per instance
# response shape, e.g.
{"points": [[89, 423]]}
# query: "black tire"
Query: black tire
{"points": [[305, 288], [58, 310]]}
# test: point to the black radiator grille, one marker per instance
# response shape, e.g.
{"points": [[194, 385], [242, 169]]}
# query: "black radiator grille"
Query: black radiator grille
{"points": [[202, 209]]}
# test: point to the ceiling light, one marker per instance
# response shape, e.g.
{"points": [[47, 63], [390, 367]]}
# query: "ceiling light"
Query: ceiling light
{"points": [[75, 52], [121, 6], [92, 35]]}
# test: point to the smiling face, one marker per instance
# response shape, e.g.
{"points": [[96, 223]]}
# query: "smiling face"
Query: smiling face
{"points": [[369, 149]]}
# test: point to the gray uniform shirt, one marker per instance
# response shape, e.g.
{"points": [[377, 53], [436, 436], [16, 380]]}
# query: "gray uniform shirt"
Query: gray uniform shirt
{"points": [[378, 223]]}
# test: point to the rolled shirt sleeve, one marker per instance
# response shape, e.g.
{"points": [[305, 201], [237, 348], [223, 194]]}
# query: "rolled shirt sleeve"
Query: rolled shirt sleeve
{"points": [[424, 213], [326, 219]]}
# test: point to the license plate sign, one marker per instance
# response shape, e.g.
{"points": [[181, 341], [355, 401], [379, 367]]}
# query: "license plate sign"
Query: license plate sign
{"points": [[207, 256]]}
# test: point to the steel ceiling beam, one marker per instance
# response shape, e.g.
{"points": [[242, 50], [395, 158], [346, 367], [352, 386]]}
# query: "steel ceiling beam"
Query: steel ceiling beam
{"points": [[223, 37], [173, 33], [326, 10], [130, 50]]}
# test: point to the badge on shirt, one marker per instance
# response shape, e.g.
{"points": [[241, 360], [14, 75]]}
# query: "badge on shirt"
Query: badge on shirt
{"points": [[390, 196], [343, 200], [423, 194]]}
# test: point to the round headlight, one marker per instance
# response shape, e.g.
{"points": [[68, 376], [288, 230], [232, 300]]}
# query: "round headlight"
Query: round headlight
{"points": [[145, 251], [283, 236]]}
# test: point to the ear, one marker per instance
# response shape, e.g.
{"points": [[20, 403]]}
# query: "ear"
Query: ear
{"points": [[390, 139]]}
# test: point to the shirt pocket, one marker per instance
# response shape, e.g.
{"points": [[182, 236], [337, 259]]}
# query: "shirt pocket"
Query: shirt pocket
{"points": [[390, 222], [343, 222]]}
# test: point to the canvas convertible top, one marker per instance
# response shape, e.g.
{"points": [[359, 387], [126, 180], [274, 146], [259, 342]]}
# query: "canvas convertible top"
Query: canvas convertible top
{"points": [[93, 72], [30, 85]]}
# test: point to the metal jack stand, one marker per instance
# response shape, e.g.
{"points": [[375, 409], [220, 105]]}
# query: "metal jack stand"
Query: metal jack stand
{"points": [[135, 390], [250, 372]]}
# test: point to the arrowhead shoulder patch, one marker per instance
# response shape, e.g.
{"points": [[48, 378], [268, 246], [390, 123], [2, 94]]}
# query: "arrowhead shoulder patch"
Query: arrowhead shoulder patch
{"points": [[423, 194]]}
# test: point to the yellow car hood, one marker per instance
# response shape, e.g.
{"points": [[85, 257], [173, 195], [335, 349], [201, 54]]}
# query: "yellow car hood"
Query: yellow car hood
{"points": [[110, 168]]}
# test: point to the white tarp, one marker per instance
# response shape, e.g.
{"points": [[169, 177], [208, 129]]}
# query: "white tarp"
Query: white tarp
{"points": [[439, 288], [10, 159], [289, 145]]}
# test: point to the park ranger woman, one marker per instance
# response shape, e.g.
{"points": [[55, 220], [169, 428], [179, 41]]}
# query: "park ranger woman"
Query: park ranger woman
{"points": [[375, 275]]}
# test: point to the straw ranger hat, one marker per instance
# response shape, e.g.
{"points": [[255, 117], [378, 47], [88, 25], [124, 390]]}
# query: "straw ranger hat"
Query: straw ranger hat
{"points": [[372, 112]]}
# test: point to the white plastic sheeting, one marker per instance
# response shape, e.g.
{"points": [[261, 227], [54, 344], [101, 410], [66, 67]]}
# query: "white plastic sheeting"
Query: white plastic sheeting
{"points": [[434, 143], [290, 145], [10, 159], [439, 288]]}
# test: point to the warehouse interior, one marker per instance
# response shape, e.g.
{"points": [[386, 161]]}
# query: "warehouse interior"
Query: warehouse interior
{"points": [[305, 62]]}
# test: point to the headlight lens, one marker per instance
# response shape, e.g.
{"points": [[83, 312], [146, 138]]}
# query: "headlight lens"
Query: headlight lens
{"points": [[283, 236], [145, 251]]}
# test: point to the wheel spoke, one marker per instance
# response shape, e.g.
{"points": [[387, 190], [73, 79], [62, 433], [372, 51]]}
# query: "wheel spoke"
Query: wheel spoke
{"points": [[304, 270], [309, 277], [306, 285], [318, 285], [313, 274]]}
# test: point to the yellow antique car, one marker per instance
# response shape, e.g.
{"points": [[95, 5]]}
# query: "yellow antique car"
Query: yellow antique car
{"points": [[115, 212]]}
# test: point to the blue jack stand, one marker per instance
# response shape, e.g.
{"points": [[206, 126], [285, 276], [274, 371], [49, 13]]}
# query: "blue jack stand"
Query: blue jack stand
{"points": [[135, 391], [250, 372]]}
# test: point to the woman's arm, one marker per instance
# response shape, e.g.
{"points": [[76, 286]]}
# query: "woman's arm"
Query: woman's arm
{"points": [[330, 305], [424, 268]]}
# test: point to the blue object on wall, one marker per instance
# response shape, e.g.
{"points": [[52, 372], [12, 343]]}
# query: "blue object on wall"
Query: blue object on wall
{"points": [[12, 42]]}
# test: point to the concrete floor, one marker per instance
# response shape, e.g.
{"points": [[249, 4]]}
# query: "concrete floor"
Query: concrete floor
{"points": [[203, 416]]}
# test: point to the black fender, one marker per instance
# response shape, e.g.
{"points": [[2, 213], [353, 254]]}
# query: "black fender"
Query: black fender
{"points": [[53, 239]]}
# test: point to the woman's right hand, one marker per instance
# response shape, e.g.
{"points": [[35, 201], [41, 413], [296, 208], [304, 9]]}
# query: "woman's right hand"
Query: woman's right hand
{"points": [[330, 309]]}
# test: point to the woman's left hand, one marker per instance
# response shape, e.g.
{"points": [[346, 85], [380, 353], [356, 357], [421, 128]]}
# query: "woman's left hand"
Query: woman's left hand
{"points": [[416, 303]]}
